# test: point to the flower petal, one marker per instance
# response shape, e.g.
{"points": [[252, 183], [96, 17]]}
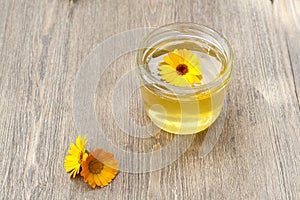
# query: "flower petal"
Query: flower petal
{"points": [[168, 60], [180, 81], [190, 79], [166, 69], [170, 77], [176, 59]]}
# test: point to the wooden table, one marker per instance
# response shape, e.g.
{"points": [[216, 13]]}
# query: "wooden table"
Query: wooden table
{"points": [[42, 47]]}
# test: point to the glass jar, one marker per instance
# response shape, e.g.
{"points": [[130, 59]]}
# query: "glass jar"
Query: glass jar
{"points": [[184, 109]]}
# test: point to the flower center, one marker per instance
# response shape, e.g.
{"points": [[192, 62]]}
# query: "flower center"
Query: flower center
{"points": [[95, 166], [182, 69]]}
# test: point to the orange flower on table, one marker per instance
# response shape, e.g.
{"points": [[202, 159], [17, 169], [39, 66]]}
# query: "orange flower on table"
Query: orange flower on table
{"points": [[181, 68], [100, 168], [77, 154]]}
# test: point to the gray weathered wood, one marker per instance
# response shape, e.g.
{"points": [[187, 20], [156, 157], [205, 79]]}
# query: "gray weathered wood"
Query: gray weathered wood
{"points": [[42, 45], [287, 14]]}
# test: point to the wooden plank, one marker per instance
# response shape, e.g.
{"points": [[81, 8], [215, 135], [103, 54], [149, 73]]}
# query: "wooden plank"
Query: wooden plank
{"points": [[42, 45], [287, 14]]}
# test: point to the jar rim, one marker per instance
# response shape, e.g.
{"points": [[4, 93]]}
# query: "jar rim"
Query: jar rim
{"points": [[223, 46]]}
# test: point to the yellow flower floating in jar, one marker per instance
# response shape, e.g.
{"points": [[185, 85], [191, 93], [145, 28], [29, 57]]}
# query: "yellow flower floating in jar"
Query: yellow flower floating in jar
{"points": [[181, 68]]}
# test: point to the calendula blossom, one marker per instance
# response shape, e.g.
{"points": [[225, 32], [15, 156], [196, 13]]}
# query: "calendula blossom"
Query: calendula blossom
{"points": [[77, 155], [181, 68], [100, 168]]}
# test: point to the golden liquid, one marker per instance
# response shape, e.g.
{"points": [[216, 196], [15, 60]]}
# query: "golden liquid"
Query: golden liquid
{"points": [[191, 113]]}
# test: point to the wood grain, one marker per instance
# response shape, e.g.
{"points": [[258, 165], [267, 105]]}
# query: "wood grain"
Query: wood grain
{"points": [[42, 45], [287, 14]]}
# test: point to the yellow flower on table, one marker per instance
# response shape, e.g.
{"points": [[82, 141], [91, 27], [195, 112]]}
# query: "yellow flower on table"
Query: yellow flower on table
{"points": [[77, 154], [100, 168], [181, 68]]}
